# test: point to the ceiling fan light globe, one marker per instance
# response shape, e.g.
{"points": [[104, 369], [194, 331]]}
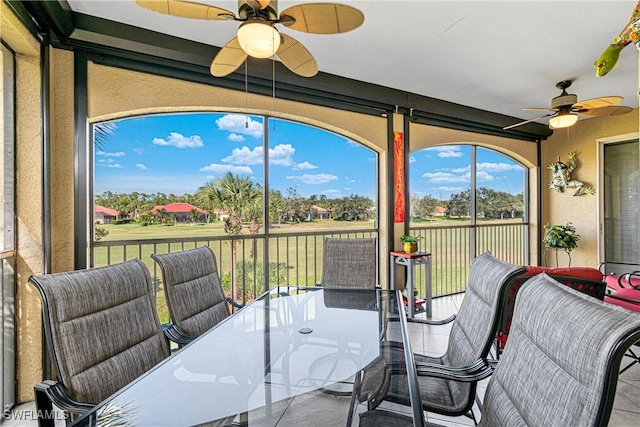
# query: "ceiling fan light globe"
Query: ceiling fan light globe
{"points": [[563, 120], [258, 39]]}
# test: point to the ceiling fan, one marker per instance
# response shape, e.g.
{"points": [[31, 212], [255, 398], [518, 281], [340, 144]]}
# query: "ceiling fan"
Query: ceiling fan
{"points": [[565, 108], [257, 35]]}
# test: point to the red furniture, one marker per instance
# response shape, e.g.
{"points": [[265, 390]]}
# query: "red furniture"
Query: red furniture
{"points": [[584, 279], [626, 293]]}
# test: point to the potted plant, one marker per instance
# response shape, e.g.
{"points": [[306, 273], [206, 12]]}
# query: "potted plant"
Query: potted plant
{"points": [[561, 236], [410, 243]]}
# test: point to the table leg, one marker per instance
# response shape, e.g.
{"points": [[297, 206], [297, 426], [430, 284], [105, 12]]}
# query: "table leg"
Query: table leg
{"points": [[410, 285]]}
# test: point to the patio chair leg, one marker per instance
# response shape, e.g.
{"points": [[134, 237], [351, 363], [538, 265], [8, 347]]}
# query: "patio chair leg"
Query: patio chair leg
{"points": [[44, 407]]}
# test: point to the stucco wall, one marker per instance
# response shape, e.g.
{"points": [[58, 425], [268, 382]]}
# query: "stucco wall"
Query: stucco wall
{"points": [[582, 211], [62, 159], [28, 156]]}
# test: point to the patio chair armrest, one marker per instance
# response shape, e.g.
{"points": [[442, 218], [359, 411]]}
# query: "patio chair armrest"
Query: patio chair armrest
{"points": [[175, 334], [433, 322], [234, 304], [627, 278], [49, 393], [471, 368], [447, 373]]}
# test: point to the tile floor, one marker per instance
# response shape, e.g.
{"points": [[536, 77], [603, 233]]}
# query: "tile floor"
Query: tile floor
{"points": [[432, 340]]}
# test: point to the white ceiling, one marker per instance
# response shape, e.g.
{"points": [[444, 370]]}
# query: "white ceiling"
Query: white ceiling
{"points": [[498, 56]]}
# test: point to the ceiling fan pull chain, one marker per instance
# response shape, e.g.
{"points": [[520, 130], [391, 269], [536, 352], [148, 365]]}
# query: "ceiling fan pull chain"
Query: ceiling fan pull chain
{"points": [[246, 94]]}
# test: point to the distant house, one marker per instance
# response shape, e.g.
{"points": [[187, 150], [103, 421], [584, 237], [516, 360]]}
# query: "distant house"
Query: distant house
{"points": [[320, 213], [440, 211], [181, 211], [220, 214], [102, 215]]}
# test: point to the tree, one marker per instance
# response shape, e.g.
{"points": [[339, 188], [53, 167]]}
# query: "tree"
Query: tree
{"points": [[460, 204], [277, 206], [233, 194], [194, 214], [352, 208], [422, 207]]}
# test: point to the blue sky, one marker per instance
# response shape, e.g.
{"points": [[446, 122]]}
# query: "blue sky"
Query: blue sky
{"points": [[445, 170], [178, 153]]}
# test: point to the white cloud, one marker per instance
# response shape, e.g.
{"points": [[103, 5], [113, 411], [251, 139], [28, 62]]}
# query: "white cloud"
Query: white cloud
{"points": [[279, 155], [213, 167], [304, 165], [240, 124], [483, 176], [450, 178], [106, 154], [443, 148], [114, 165], [497, 167], [180, 141], [449, 154], [446, 177], [331, 192], [319, 178], [412, 159], [235, 137], [444, 151], [138, 151], [449, 189], [141, 166]]}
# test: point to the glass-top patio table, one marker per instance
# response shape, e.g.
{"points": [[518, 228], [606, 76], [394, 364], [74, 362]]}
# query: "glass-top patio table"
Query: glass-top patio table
{"points": [[289, 358]]}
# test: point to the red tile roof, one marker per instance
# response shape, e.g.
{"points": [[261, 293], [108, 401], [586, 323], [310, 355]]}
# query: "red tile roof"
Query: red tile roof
{"points": [[178, 208], [103, 210]]}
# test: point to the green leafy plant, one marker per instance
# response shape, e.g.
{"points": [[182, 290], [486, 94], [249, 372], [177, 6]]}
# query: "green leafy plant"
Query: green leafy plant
{"points": [[561, 236], [410, 239]]}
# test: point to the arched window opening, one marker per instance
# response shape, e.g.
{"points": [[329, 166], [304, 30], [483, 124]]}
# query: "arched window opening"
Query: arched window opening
{"points": [[262, 192], [465, 200]]}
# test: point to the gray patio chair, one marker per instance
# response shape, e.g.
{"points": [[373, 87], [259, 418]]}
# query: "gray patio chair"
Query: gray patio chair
{"points": [[102, 331], [557, 368], [470, 339], [193, 291], [349, 263]]}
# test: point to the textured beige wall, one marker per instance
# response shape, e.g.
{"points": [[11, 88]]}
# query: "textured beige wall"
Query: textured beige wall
{"points": [[582, 211], [28, 201], [61, 166]]}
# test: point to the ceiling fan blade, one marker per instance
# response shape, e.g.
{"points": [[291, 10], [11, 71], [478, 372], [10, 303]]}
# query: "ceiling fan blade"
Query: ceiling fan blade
{"points": [[528, 121], [539, 109], [611, 110], [228, 59], [186, 9], [322, 18], [604, 101], [296, 57]]}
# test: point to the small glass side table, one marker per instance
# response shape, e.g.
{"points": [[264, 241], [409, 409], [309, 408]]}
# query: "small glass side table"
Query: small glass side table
{"points": [[410, 261]]}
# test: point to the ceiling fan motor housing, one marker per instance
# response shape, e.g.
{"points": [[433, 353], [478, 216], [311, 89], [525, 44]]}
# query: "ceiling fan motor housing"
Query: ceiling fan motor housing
{"points": [[252, 8], [563, 100]]}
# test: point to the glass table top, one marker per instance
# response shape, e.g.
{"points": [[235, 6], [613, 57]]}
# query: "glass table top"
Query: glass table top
{"points": [[289, 357]]}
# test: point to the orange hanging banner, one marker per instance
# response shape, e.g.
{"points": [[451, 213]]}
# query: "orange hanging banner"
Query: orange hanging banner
{"points": [[398, 176]]}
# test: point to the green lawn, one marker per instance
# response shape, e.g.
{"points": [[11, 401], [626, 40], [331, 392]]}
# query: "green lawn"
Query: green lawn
{"points": [[297, 259]]}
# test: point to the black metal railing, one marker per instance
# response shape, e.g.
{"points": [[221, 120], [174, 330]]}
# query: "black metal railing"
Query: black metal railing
{"points": [[296, 258], [451, 251]]}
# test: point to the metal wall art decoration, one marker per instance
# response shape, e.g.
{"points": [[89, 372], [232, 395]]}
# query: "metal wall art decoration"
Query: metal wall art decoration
{"points": [[562, 177]]}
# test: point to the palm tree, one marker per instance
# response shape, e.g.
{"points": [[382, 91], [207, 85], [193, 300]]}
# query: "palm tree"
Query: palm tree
{"points": [[253, 212], [233, 194]]}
